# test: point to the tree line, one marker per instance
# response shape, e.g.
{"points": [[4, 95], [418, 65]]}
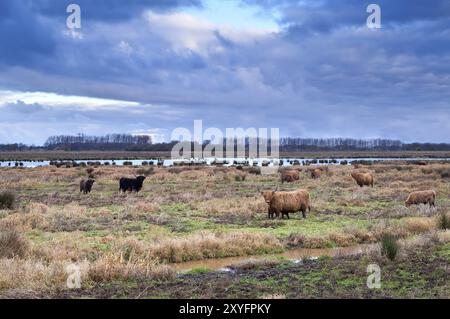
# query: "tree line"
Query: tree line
{"points": [[129, 142], [109, 142]]}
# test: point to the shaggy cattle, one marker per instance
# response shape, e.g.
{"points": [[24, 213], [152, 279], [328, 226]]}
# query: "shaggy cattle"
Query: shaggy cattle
{"points": [[315, 173], [86, 186], [363, 179], [290, 176], [421, 197], [283, 203], [131, 184]]}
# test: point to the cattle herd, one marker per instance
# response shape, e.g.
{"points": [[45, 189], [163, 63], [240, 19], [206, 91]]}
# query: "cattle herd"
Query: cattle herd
{"points": [[282, 203]]}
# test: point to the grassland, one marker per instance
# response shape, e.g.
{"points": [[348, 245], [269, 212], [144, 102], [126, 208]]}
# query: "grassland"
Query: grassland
{"points": [[126, 243]]}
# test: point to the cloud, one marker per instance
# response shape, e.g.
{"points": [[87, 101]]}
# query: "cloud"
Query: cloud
{"points": [[323, 74], [108, 10]]}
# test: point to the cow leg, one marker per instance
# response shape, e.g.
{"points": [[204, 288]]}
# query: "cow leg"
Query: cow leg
{"points": [[304, 213], [270, 213], [277, 213]]}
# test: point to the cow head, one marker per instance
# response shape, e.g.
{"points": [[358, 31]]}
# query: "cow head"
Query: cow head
{"points": [[140, 179], [268, 195]]}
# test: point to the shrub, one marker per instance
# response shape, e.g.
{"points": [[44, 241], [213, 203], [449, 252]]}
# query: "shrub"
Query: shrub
{"points": [[11, 243], [443, 221], [7, 200], [254, 170], [127, 163], [419, 225], [445, 173], [389, 246], [145, 171], [89, 170]]}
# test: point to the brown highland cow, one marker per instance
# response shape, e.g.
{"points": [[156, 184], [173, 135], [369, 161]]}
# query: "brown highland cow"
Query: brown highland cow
{"points": [[290, 176], [363, 179], [283, 203], [316, 173], [421, 197]]}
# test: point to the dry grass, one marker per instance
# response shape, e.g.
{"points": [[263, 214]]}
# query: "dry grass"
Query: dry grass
{"points": [[29, 274], [12, 244], [194, 213], [117, 267], [419, 225], [222, 206], [254, 263], [205, 245]]}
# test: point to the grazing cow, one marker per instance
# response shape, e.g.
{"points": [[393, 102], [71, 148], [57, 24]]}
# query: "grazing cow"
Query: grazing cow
{"points": [[363, 179], [290, 176], [86, 186], [283, 203], [316, 173], [421, 197], [131, 184]]}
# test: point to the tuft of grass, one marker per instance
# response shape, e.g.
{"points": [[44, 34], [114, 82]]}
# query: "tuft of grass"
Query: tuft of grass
{"points": [[145, 171], [7, 200], [389, 246], [445, 173], [443, 221], [204, 245], [254, 263], [199, 270], [12, 244], [419, 225]]}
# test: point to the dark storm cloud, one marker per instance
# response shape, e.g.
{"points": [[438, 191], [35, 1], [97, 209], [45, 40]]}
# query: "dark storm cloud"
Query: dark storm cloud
{"points": [[323, 74], [108, 10], [325, 15], [24, 37]]}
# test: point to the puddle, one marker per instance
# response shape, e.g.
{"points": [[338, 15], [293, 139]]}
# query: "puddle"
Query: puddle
{"points": [[295, 255]]}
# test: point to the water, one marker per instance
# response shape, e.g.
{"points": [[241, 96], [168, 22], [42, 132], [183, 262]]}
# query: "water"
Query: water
{"points": [[259, 162], [294, 255]]}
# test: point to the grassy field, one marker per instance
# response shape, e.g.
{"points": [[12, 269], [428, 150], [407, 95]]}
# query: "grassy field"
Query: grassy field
{"points": [[124, 244]]}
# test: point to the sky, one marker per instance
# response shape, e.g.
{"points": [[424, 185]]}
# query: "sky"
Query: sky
{"points": [[311, 68]]}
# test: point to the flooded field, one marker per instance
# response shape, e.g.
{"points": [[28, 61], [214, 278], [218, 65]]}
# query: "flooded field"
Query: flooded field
{"points": [[293, 255]]}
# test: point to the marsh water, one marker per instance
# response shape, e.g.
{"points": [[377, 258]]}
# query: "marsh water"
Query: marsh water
{"points": [[294, 255], [258, 162]]}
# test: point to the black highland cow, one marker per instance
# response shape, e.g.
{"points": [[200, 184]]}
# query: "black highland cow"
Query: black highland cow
{"points": [[131, 184], [86, 186]]}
